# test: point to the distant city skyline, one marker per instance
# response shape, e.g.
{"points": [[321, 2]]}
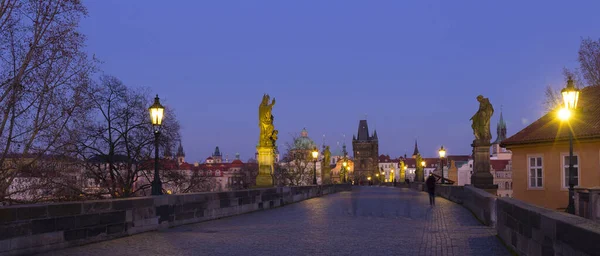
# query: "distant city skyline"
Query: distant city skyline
{"points": [[414, 68]]}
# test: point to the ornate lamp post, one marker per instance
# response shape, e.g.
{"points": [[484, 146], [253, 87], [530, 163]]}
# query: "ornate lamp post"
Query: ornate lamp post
{"points": [[423, 167], [156, 116], [344, 169], [315, 155], [570, 96], [442, 153]]}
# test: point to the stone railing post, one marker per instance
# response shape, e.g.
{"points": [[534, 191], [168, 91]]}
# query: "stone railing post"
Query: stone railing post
{"points": [[594, 203]]}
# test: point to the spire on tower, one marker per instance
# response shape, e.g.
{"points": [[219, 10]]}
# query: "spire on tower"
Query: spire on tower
{"points": [[416, 152], [500, 129], [180, 150]]}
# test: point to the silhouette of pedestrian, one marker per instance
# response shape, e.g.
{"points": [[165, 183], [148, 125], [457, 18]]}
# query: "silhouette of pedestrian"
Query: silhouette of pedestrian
{"points": [[430, 182]]}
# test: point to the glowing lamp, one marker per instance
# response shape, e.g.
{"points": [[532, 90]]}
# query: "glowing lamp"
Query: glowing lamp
{"points": [[156, 112], [564, 114], [570, 95], [315, 153], [442, 152]]}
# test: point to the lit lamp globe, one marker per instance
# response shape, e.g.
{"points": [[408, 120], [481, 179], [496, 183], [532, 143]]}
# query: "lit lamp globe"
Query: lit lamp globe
{"points": [[442, 152], [570, 96], [369, 178], [344, 163], [423, 163], [315, 153], [156, 113]]}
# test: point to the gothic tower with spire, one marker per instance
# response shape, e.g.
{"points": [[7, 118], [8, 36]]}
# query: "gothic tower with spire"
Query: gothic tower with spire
{"points": [[217, 156], [180, 154], [416, 152], [497, 151], [366, 153]]}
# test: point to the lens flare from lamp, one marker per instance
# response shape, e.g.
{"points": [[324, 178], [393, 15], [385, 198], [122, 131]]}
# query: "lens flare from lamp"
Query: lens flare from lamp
{"points": [[564, 114]]}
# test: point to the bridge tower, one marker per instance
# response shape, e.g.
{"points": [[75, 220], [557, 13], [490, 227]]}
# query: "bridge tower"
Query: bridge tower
{"points": [[366, 152]]}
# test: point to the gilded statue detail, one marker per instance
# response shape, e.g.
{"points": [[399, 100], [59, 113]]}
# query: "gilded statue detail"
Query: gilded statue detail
{"points": [[481, 121], [327, 156], [268, 135]]}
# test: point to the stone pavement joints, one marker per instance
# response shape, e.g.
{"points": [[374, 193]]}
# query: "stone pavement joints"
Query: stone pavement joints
{"points": [[367, 221]]}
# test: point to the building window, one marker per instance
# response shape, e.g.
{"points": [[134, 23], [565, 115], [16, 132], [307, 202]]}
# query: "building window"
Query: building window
{"points": [[566, 171], [535, 172]]}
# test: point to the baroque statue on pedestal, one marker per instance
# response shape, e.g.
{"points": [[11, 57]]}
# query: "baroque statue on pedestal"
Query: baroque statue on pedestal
{"points": [[327, 156], [481, 121], [268, 135]]}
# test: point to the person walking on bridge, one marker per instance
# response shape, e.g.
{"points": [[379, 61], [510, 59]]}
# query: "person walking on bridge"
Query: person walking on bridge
{"points": [[430, 182]]}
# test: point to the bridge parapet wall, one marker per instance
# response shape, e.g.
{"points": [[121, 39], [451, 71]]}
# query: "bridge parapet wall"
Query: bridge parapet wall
{"points": [[29, 229], [532, 230], [525, 228], [480, 202]]}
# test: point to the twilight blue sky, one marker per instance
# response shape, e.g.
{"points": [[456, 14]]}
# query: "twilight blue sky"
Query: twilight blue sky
{"points": [[414, 67]]}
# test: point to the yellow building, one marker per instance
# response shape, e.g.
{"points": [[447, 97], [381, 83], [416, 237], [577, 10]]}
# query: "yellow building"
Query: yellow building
{"points": [[540, 154]]}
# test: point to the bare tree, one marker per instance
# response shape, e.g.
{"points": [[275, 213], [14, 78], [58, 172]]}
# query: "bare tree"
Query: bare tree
{"points": [[297, 166], [117, 136], [43, 72], [186, 181], [589, 60]]}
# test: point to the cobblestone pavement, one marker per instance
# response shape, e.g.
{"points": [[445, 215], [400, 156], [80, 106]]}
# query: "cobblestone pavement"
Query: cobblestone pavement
{"points": [[367, 221]]}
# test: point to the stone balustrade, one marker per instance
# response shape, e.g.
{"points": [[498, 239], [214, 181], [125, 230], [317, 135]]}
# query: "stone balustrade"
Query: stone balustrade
{"points": [[528, 229], [28, 229], [587, 203], [532, 230]]}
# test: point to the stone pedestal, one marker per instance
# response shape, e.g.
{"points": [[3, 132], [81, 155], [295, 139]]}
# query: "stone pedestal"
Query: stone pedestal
{"points": [[325, 173], [402, 175], [265, 160], [482, 178]]}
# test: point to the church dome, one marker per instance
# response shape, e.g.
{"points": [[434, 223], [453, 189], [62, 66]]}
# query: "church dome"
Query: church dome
{"points": [[304, 142]]}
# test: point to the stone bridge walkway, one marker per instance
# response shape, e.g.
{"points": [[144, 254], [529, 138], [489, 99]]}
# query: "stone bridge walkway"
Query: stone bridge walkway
{"points": [[367, 221]]}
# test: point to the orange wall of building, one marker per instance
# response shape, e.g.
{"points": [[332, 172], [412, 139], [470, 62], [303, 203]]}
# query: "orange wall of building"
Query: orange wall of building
{"points": [[552, 195]]}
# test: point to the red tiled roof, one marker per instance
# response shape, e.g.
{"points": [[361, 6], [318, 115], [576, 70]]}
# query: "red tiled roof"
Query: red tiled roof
{"points": [[237, 162], [585, 123], [385, 159], [185, 166], [499, 165]]}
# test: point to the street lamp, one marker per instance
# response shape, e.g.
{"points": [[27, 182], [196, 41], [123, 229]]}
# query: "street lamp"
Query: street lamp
{"points": [[423, 167], [570, 96], [344, 169], [156, 117], [315, 155], [369, 179], [442, 153]]}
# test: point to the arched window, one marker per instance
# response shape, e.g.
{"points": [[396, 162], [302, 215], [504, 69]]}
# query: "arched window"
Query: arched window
{"points": [[506, 185]]}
